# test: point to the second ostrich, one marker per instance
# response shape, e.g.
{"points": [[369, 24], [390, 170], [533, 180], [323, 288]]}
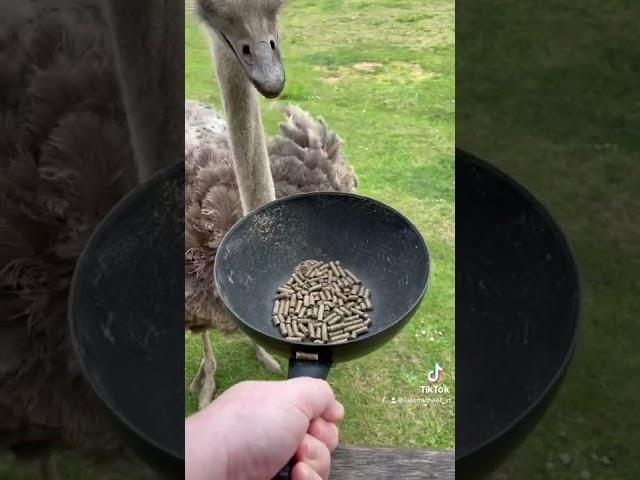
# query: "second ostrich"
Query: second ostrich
{"points": [[230, 170]]}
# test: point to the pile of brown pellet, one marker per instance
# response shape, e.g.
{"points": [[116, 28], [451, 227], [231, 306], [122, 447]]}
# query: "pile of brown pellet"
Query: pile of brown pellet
{"points": [[322, 303]]}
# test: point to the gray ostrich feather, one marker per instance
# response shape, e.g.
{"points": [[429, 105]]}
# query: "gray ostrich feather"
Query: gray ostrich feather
{"points": [[305, 157]]}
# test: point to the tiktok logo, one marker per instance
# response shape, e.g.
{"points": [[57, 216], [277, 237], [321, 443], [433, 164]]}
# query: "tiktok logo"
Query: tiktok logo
{"points": [[435, 375]]}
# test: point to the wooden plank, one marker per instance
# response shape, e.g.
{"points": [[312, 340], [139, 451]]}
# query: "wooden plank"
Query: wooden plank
{"points": [[376, 463]]}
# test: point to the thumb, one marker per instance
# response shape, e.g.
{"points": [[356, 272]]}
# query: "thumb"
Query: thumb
{"points": [[314, 398]]}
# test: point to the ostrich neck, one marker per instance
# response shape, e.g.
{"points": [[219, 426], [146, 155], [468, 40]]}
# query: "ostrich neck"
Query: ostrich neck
{"points": [[248, 145]]}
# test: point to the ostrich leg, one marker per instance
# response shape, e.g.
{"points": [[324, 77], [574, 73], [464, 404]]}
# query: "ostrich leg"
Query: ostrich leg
{"points": [[206, 376], [266, 360], [196, 384]]}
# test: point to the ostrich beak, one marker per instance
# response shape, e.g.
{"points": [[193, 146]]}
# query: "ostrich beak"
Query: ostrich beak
{"points": [[261, 61]]}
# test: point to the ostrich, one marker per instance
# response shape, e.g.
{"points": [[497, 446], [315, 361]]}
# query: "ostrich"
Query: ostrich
{"points": [[230, 169]]}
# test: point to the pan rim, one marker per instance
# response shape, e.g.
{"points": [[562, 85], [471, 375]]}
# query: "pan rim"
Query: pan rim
{"points": [[576, 306], [97, 234], [325, 347]]}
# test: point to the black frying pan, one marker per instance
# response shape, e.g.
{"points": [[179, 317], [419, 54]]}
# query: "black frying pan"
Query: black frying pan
{"points": [[517, 306], [127, 318], [380, 246]]}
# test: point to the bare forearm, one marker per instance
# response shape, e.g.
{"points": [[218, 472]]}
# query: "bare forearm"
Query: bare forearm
{"points": [[205, 455]]}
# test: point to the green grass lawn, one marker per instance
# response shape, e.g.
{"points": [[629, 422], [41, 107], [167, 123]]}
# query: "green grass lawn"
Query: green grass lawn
{"points": [[563, 120], [381, 73]]}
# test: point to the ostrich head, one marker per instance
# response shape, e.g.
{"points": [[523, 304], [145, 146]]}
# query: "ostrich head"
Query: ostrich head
{"points": [[248, 30]]}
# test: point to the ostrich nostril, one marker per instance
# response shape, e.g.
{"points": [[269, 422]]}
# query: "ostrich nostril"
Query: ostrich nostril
{"points": [[246, 50], [273, 45]]}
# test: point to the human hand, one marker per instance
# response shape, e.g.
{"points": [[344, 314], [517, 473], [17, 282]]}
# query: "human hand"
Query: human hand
{"points": [[253, 429]]}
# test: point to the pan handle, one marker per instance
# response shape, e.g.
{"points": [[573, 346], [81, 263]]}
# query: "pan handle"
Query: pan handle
{"points": [[303, 368], [308, 368]]}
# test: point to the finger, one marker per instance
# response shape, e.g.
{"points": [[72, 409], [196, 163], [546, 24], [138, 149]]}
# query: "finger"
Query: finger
{"points": [[334, 412], [315, 454], [326, 432], [302, 471], [314, 397]]}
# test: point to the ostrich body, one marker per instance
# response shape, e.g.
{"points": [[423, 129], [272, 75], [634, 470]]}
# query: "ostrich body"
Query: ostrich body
{"points": [[230, 170]]}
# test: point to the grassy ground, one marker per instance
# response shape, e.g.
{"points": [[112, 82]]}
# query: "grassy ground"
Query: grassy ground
{"points": [[381, 73], [564, 121]]}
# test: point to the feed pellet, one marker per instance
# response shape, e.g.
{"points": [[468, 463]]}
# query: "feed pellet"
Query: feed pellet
{"points": [[322, 303]]}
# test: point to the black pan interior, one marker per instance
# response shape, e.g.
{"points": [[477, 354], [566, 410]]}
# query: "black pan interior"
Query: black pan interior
{"points": [[127, 317], [375, 242], [517, 303]]}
